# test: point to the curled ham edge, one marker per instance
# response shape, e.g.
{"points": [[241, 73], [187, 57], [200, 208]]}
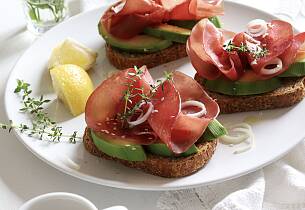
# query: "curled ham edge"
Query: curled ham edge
{"points": [[177, 130], [205, 49], [208, 66], [128, 18]]}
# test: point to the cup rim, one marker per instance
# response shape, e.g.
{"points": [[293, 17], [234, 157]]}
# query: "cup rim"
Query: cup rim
{"points": [[62, 195]]}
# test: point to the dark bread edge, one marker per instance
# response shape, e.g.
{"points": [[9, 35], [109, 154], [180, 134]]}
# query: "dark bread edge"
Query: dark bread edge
{"points": [[161, 166], [123, 60], [291, 92]]}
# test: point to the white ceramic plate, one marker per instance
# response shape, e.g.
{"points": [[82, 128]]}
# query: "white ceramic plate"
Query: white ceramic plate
{"points": [[278, 132]]}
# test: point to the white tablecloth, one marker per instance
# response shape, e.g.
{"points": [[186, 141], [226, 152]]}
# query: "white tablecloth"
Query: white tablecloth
{"points": [[23, 176]]}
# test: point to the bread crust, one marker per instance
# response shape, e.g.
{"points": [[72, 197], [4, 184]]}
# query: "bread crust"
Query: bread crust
{"points": [[123, 60], [291, 92], [161, 166]]}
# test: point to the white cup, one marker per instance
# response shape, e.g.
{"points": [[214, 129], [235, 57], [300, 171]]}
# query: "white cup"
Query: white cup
{"points": [[58, 200], [62, 201]]}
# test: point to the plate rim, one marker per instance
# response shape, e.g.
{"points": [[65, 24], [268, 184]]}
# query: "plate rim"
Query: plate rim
{"points": [[115, 184]]}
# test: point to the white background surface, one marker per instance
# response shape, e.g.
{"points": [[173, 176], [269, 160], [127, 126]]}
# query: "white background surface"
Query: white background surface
{"points": [[22, 175]]}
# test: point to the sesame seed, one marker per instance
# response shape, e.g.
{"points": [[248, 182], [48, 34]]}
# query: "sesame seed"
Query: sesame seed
{"points": [[105, 131]]}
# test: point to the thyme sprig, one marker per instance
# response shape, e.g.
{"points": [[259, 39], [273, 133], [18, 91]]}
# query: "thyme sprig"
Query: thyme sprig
{"points": [[42, 126], [257, 52], [132, 92]]}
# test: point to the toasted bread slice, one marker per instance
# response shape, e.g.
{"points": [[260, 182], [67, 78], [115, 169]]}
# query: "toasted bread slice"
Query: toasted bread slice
{"points": [[161, 166], [124, 60], [291, 92]]}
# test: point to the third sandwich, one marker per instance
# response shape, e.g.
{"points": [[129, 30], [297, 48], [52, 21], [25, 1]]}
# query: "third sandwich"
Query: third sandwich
{"points": [[261, 68]]}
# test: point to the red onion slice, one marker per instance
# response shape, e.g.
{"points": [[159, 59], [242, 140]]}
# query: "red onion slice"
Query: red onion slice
{"points": [[278, 65], [202, 112], [143, 117], [257, 27]]}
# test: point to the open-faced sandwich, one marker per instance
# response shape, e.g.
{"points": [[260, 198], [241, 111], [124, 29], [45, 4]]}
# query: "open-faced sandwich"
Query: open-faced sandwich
{"points": [[262, 68], [164, 127], [152, 32]]}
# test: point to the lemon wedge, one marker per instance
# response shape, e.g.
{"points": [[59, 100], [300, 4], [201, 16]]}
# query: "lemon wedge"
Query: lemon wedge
{"points": [[73, 86], [72, 52]]}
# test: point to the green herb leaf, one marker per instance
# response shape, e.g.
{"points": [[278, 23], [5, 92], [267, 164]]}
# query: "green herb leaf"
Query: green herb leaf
{"points": [[42, 125]]}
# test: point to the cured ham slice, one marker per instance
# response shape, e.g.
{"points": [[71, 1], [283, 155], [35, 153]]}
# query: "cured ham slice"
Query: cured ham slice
{"points": [[178, 130], [166, 123], [205, 49], [128, 18], [291, 53], [192, 9], [277, 40], [105, 102]]}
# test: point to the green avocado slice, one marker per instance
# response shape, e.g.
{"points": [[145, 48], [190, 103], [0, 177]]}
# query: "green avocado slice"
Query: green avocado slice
{"points": [[162, 150], [189, 24], [179, 31], [297, 69], [169, 32], [239, 88], [119, 149], [137, 44], [215, 20], [213, 131]]}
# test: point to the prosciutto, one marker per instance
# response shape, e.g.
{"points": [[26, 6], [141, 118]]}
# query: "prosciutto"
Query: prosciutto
{"points": [[178, 130], [167, 123], [129, 17], [210, 59], [296, 49], [107, 101], [277, 40]]}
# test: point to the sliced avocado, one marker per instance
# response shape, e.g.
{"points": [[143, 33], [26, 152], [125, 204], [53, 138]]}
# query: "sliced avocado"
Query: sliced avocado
{"points": [[122, 149], [214, 131], [162, 150], [228, 87], [215, 20], [138, 44], [189, 24], [295, 70], [118, 148], [169, 32]]}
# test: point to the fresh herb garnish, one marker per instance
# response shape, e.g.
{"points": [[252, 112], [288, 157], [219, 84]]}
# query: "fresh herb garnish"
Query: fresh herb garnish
{"points": [[42, 127], [257, 52], [132, 92]]}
